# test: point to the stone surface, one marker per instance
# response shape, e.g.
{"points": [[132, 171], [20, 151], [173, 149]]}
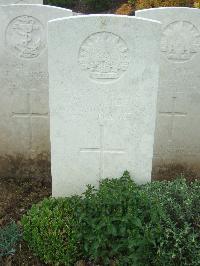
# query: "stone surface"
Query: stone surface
{"points": [[178, 115], [103, 89], [10, 2], [24, 120]]}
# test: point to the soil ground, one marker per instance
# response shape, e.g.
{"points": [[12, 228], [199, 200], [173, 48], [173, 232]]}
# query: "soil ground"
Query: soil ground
{"points": [[16, 197]]}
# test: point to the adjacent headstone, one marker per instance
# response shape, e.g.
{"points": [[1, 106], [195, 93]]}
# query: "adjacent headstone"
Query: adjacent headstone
{"points": [[178, 111], [103, 89], [10, 2], [24, 119]]}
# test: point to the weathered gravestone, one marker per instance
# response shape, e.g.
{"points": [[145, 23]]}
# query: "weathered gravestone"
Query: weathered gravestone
{"points": [[24, 121], [103, 89], [10, 2], [178, 111]]}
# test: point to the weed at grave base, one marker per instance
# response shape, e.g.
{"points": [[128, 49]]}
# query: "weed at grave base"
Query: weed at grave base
{"points": [[9, 237]]}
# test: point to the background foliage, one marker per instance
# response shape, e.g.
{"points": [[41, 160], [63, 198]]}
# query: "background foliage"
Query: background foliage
{"points": [[62, 3], [105, 5], [118, 221], [141, 4], [87, 5]]}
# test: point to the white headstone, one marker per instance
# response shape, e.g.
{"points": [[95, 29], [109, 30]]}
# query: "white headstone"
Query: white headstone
{"points": [[10, 2], [103, 89], [24, 121], [178, 112]]}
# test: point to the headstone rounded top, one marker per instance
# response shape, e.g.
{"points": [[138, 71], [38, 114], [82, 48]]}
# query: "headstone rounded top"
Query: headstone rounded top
{"points": [[25, 28], [104, 54], [10, 2], [24, 6], [104, 18], [180, 40]]}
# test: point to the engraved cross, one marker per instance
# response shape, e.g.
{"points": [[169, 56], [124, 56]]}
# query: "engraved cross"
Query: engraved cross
{"points": [[173, 113], [101, 150], [29, 115]]}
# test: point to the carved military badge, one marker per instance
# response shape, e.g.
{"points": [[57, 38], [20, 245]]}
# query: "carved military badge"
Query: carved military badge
{"points": [[25, 37], [180, 41], [104, 55]]}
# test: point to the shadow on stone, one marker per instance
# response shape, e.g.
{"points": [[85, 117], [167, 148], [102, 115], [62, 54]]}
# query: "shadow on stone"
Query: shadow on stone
{"points": [[21, 167], [173, 171]]}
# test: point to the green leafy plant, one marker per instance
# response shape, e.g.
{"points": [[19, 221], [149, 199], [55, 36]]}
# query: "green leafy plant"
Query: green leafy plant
{"points": [[118, 222], [9, 237], [180, 201], [48, 229]]}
